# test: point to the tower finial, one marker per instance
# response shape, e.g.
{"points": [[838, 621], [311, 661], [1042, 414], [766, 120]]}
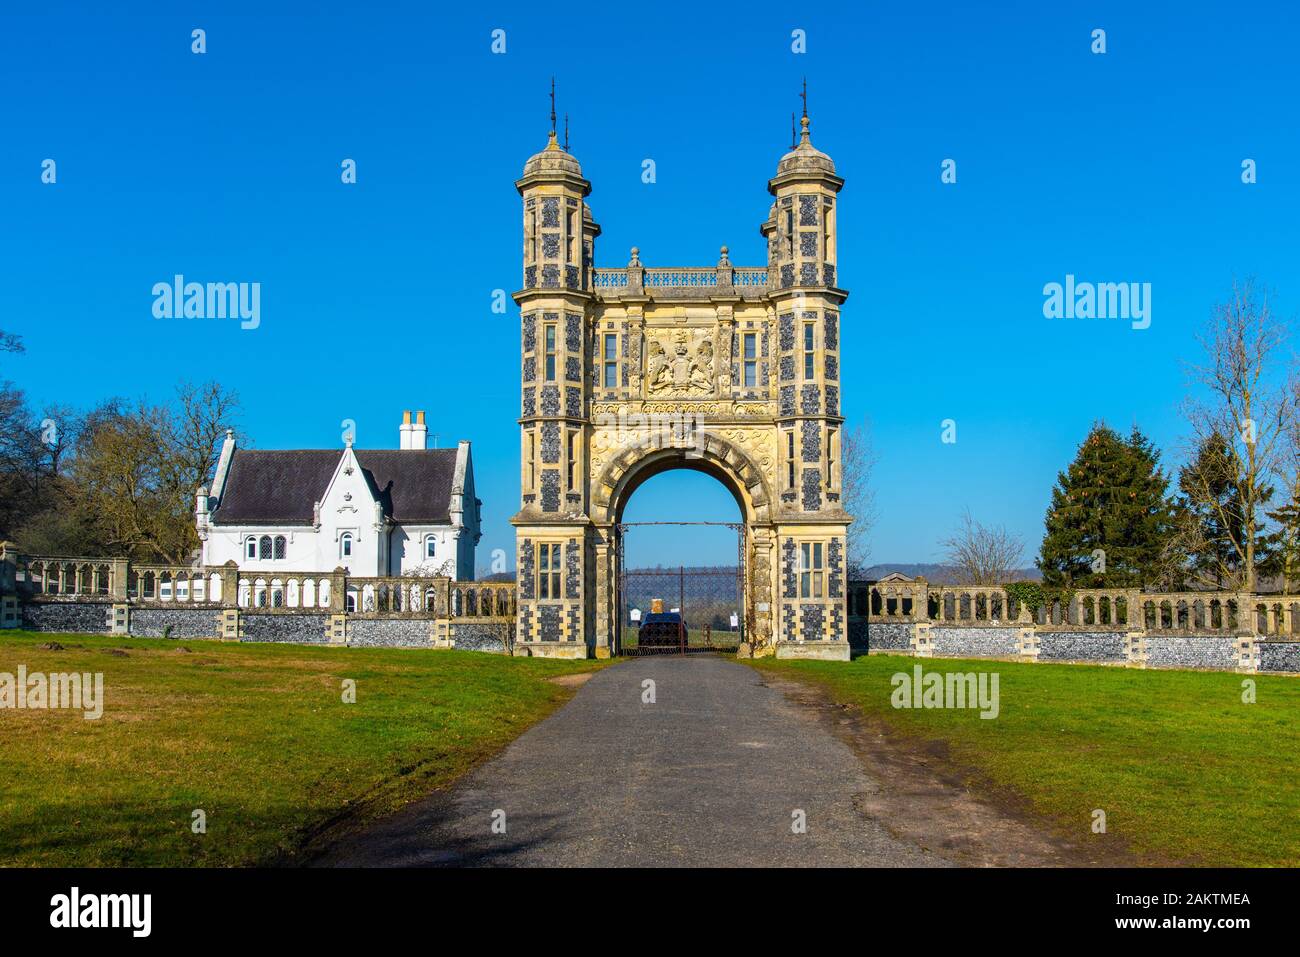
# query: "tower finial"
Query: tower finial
{"points": [[566, 132], [803, 123], [552, 106], [793, 141]]}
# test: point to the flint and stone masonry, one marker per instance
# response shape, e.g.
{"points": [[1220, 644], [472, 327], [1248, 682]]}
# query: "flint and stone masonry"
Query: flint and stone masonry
{"points": [[731, 371]]}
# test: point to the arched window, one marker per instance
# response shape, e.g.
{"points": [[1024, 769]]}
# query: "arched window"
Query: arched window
{"points": [[279, 546], [250, 549], [345, 545], [264, 546], [430, 546]]}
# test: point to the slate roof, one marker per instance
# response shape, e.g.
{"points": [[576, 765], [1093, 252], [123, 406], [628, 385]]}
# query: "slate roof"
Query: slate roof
{"points": [[281, 487]]}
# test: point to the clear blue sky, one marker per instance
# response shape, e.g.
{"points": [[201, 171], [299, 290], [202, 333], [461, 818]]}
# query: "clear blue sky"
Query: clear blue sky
{"points": [[225, 167]]}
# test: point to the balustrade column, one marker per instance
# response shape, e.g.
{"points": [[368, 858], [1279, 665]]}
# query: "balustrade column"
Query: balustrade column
{"points": [[920, 602], [8, 568], [118, 570], [1247, 617], [338, 580]]}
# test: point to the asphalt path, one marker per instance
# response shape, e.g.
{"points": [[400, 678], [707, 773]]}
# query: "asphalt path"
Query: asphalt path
{"points": [[713, 768]]}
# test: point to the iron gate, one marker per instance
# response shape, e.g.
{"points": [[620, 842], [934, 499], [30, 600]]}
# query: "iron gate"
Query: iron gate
{"points": [[710, 601]]}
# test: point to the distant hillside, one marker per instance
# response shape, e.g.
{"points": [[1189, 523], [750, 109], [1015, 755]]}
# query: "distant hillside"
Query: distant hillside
{"points": [[937, 574]]}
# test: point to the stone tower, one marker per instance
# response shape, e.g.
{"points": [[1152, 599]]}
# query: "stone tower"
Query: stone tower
{"points": [[727, 370], [555, 302]]}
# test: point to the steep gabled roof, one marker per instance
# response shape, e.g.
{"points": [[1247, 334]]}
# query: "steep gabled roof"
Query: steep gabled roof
{"points": [[282, 487], [414, 485]]}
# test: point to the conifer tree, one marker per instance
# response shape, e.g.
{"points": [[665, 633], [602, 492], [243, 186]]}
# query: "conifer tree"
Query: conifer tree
{"points": [[1109, 521]]}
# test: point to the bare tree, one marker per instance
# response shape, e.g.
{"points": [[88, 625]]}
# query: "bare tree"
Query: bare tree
{"points": [[194, 430], [978, 554], [857, 457], [136, 471], [1240, 397], [1287, 516]]}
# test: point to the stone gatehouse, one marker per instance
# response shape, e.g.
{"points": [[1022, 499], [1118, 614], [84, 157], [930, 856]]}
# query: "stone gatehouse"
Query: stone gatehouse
{"points": [[629, 372]]}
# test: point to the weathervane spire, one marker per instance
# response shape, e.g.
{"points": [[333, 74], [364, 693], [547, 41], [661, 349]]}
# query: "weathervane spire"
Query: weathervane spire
{"points": [[566, 132], [552, 106], [804, 96]]}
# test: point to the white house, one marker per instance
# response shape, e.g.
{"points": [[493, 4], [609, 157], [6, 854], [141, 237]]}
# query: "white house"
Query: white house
{"points": [[373, 512]]}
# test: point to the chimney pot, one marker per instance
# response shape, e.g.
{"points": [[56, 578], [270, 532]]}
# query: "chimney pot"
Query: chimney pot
{"points": [[419, 432]]}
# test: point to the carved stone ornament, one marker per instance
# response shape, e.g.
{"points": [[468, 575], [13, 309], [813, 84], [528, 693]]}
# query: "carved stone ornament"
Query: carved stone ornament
{"points": [[682, 371]]}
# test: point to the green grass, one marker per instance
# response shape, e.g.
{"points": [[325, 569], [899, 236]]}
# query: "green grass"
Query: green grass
{"points": [[257, 736], [1184, 770]]}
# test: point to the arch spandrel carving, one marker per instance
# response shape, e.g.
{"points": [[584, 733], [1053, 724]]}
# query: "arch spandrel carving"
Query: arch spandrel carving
{"points": [[746, 479]]}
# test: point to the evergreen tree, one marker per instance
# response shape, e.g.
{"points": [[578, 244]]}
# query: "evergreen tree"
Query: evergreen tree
{"points": [[1109, 521]]}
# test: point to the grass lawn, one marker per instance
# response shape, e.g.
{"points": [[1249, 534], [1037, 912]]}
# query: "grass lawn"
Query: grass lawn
{"points": [[255, 735], [1183, 769]]}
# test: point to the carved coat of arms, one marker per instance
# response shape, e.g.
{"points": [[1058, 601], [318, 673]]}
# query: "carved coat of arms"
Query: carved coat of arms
{"points": [[683, 371]]}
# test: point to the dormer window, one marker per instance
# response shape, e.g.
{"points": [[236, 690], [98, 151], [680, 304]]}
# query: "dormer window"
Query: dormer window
{"points": [[430, 546], [345, 545]]}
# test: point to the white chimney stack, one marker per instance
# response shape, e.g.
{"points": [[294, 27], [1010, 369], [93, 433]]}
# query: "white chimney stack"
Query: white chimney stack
{"points": [[404, 432], [419, 432]]}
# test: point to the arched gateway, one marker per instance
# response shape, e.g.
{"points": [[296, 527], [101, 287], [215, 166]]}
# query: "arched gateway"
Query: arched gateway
{"points": [[730, 371]]}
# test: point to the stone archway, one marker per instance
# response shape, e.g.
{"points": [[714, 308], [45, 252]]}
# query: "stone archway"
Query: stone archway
{"points": [[647, 455]]}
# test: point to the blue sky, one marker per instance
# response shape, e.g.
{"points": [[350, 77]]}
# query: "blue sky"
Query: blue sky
{"points": [[225, 167]]}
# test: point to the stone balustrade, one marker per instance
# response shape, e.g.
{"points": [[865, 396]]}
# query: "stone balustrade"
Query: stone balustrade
{"points": [[52, 578], [670, 282], [483, 600], [115, 581], [1101, 608], [160, 585]]}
